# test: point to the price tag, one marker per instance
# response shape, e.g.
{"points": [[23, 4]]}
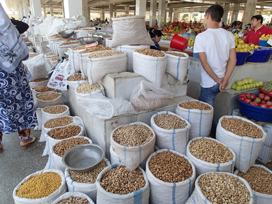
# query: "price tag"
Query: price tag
{"points": [[92, 45], [270, 41]]}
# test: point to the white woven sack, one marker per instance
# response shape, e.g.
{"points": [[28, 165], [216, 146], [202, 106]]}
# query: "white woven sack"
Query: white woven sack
{"points": [[34, 93], [164, 192], [73, 194], [260, 198], [123, 35], [199, 198], [246, 149], [51, 141], [55, 161], [97, 68], [42, 103], [49, 57], [56, 44], [132, 157], [200, 120], [53, 62], [35, 84], [74, 84], [177, 66], [151, 68], [204, 167], [74, 60], [36, 66], [45, 200], [129, 50], [88, 188], [104, 197], [175, 139], [96, 94], [64, 48]]}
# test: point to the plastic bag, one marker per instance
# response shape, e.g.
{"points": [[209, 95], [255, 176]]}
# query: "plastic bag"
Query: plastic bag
{"points": [[74, 194], [36, 66], [147, 96]]}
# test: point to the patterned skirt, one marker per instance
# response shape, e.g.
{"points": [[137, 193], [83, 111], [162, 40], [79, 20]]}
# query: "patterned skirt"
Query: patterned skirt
{"points": [[17, 110]]}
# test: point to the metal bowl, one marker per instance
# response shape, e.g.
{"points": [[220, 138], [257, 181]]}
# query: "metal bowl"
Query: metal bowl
{"points": [[89, 40], [66, 33], [83, 157]]}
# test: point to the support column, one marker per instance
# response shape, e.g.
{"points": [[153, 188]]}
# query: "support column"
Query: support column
{"points": [[175, 14], [115, 13], [249, 11], [111, 10], [88, 13], [51, 11], [161, 11], [235, 12], [152, 13], [226, 12], [140, 7], [36, 9], [76, 7], [170, 14], [102, 15], [126, 9], [63, 10], [25, 8], [44, 11]]}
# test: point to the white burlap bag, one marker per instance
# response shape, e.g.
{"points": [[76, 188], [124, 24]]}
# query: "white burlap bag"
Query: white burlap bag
{"points": [[73, 194], [38, 103]]}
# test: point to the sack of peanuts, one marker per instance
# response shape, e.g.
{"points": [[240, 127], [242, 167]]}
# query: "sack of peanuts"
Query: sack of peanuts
{"points": [[42, 100], [123, 33], [172, 131], [260, 180], [38, 82], [199, 115], [220, 187], [73, 197], [74, 57], [136, 189], [133, 143], [151, 64], [129, 50], [59, 149], [41, 187], [210, 155], [244, 137], [56, 45], [36, 66], [75, 79], [56, 135], [177, 64], [64, 47], [85, 91], [105, 62], [148, 96], [84, 182], [49, 56], [171, 176]]}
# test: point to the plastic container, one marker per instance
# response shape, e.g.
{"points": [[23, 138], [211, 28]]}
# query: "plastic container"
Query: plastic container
{"points": [[263, 43], [255, 112], [241, 58], [178, 42], [261, 55]]}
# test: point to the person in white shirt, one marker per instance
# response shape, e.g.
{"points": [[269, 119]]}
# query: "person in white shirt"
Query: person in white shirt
{"points": [[216, 50]]}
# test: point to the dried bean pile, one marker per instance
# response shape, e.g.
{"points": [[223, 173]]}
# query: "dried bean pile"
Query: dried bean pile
{"points": [[86, 88], [43, 89], [94, 49], [259, 179], [106, 53], [133, 135], [81, 47], [176, 54], [170, 167], [195, 105], [76, 77], [223, 188], [55, 109], [38, 80], [241, 128], [58, 122], [62, 147], [74, 200], [39, 186], [120, 180], [69, 43], [47, 96], [55, 59], [87, 177], [169, 122], [65, 132], [150, 52], [210, 151]]}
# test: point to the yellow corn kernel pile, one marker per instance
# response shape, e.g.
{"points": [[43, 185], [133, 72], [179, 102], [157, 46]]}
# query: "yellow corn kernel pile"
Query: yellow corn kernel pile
{"points": [[39, 186]]}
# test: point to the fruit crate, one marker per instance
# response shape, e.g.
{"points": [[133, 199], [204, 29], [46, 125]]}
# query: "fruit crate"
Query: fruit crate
{"points": [[255, 112], [241, 58], [261, 55]]}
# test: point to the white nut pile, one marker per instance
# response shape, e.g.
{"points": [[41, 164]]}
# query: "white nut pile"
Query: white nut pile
{"points": [[76, 77], [210, 151], [58, 122], [94, 49], [133, 135], [195, 105], [86, 88], [47, 96], [169, 122], [74, 200], [55, 109], [223, 188], [106, 53], [151, 52]]}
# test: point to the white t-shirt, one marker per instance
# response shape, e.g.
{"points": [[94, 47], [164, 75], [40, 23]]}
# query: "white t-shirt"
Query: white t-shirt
{"points": [[216, 43]]}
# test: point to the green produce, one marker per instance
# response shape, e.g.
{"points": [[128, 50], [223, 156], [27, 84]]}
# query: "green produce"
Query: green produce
{"points": [[268, 86], [247, 84]]}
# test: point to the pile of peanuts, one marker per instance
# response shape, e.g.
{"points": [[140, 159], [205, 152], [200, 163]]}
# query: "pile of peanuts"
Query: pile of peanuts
{"points": [[55, 109]]}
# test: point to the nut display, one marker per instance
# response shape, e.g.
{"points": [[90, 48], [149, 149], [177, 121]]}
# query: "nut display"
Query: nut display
{"points": [[39, 186], [64, 132], [47, 96], [106, 53], [89, 176], [94, 49], [86, 88], [210, 151], [55, 109], [223, 188], [168, 121], [176, 54], [241, 128], [195, 105], [133, 135], [151, 52], [74, 200], [170, 167], [81, 47], [38, 80], [55, 59], [58, 122], [120, 180], [69, 43], [259, 179], [76, 77], [65, 145], [43, 89], [50, 54]]}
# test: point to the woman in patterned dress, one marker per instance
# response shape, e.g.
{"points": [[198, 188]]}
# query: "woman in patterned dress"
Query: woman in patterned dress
{"points": [[17, 113]]}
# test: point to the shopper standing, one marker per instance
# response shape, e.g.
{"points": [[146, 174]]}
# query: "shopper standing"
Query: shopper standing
{"points": [[156, 38]]}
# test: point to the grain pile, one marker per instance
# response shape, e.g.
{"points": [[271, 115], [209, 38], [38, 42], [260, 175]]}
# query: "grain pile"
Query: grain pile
{"points": [[74, 200], [106, 53], [76, 77], [58, 122], [69, 43], [169, 122], [86, 88], [151, 52], [38, 80], [43, 89], [94, 49], [81, 47], [47, 96], [176, 54], [65, 132], [195, 105], [55, 109]]}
